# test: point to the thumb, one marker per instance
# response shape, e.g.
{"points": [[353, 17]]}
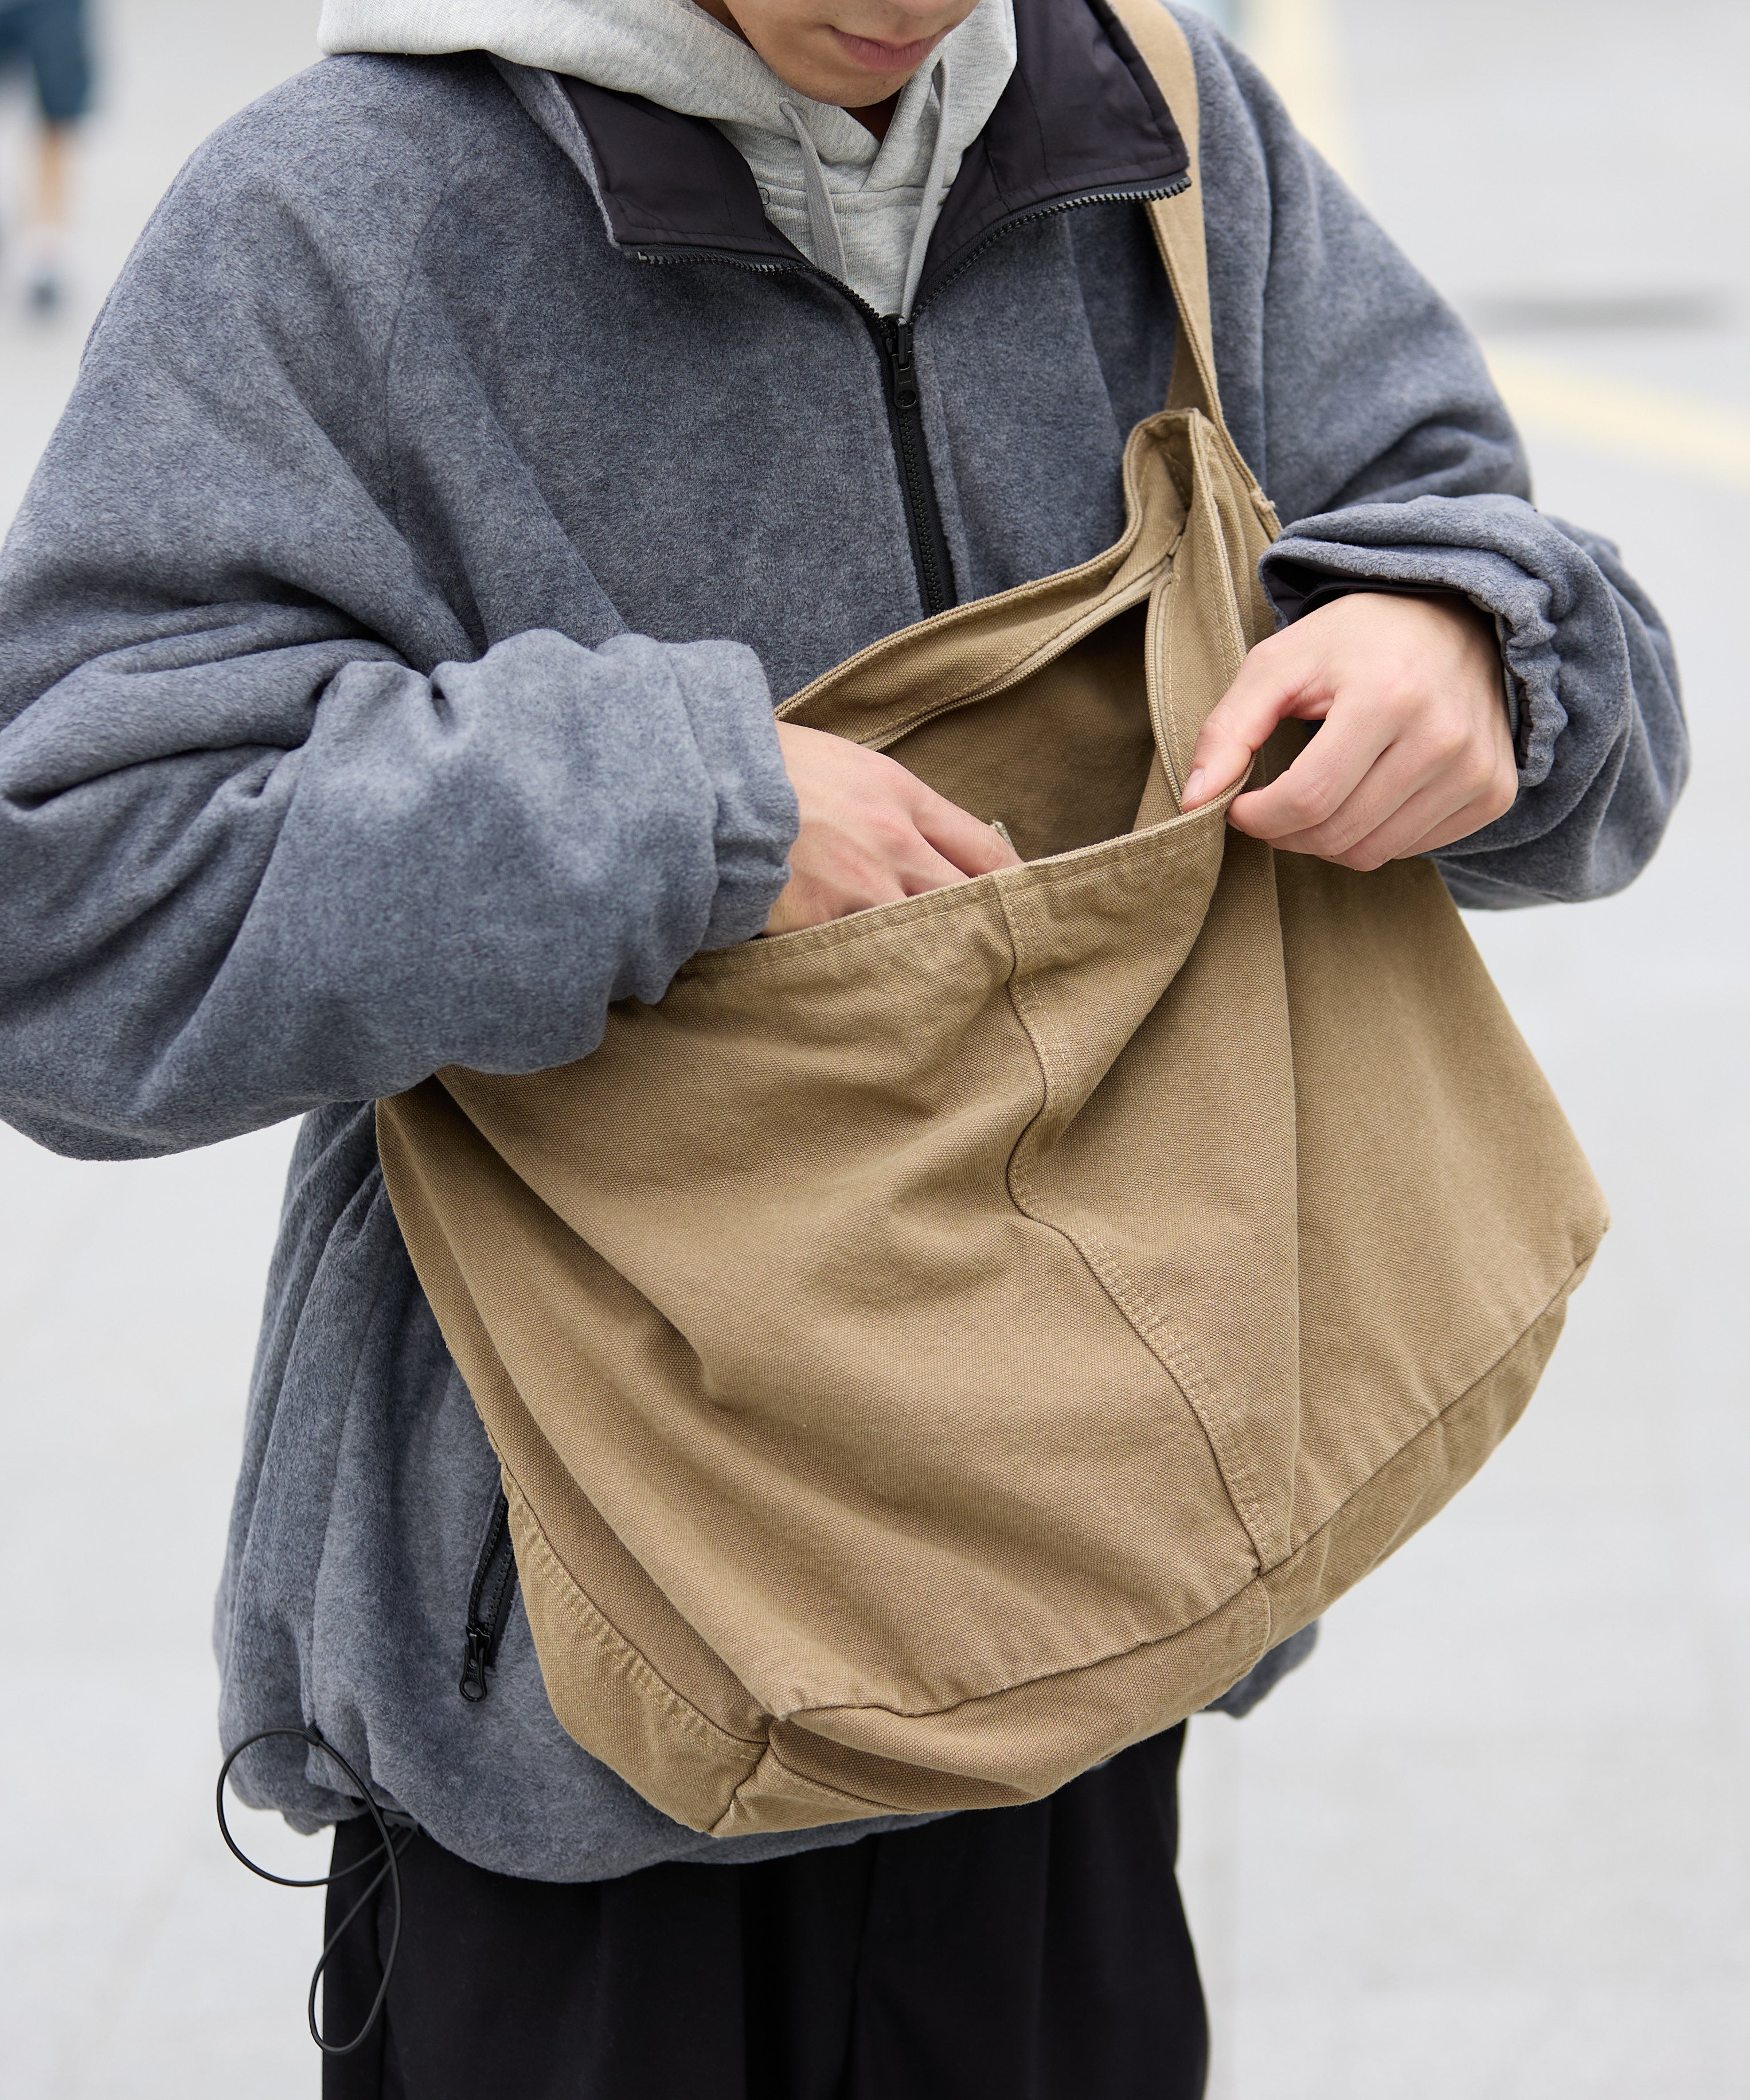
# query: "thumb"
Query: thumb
{"points": [[1268, 689]]}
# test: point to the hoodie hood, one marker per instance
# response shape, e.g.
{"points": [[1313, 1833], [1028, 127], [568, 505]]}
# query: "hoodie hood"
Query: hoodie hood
{"points": [[860, 208]]}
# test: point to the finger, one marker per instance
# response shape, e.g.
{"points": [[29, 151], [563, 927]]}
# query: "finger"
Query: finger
{"points": [[1281, 676], [1422, 823], [1474, 817], [1406, 769], [1401, 840], [974, 847], [926, 869], [1441, 762], [1337, 764]]}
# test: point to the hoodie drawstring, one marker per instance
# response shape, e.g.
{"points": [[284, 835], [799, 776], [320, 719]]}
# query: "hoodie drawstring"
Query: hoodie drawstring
{"points": [[825, 239], [823, 234], [934, 183]]}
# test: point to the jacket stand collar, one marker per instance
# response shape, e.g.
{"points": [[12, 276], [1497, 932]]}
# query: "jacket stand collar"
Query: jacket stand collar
{"points": [[1081, 121]]}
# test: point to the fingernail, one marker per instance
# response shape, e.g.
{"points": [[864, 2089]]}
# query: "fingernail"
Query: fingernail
{"points": [[1194, 785]]}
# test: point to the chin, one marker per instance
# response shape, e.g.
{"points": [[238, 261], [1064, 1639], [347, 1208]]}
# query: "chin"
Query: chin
{"points": [[861, 91]]}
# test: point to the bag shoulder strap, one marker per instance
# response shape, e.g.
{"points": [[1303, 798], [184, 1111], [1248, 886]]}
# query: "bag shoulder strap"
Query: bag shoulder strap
{"points": [[1178, 229]]}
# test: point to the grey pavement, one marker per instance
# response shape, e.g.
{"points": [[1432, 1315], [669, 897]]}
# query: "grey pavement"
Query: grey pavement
{"points": [[1494, 1841]]}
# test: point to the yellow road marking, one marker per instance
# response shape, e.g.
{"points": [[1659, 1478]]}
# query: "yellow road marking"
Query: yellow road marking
{"points": [[1295, 43], [1653, 424]]}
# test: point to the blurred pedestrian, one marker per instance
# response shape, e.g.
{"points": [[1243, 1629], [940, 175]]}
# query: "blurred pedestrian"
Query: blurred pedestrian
{"points": [[48, 37]]}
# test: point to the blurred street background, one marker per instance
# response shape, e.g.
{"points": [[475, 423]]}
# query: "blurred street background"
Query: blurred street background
{"points": [[1495, 1841]]}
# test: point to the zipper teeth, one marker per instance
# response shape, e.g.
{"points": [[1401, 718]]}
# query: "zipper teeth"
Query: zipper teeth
{"points": [[1156, 193], [923, 518], [935, 590], [1152, 193], [489, 1598], [492, 1621], [935, 594], [489, 1559], [732, 263], [922, 512]]}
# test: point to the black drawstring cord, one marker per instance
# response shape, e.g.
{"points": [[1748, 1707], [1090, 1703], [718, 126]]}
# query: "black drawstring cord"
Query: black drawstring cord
{"points": [[386, 1849]]}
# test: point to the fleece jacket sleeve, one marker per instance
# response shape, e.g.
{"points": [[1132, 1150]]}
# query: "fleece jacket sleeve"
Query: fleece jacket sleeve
{"points": [[277, 825], [1366, 410]]}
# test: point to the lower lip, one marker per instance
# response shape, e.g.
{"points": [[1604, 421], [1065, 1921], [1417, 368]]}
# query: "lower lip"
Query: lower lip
{"points": [[872, 57]]}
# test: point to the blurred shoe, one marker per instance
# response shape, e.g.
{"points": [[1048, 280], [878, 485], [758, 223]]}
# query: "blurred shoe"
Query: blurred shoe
{"points": [[45, 277], [44, 293]]}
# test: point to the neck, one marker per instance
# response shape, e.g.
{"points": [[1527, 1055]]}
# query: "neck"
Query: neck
{"points": [[877, 117]]}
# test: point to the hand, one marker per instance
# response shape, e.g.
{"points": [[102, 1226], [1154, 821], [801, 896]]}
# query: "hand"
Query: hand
{"points": [[1415, 752], [871, 833]]}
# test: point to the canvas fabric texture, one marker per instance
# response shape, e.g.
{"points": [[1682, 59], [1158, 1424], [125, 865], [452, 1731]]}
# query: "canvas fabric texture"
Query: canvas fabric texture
{"points": [[930, 1352]]}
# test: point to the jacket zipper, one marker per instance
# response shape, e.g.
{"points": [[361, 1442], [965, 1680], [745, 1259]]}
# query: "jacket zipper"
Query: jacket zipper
{"points": [[923, 513], [923, 521], [489, 1601], [1150, 193], [894, 344]]}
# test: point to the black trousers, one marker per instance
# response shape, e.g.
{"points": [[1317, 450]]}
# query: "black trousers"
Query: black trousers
{"points": [[1036, 1953]]}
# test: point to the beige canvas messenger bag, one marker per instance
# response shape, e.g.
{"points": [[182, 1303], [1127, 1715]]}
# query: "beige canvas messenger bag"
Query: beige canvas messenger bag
{"points": [[930, 1352]]}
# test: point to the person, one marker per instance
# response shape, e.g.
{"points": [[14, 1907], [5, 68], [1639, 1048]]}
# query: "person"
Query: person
{"points": [[48, 36], [492, 423]]}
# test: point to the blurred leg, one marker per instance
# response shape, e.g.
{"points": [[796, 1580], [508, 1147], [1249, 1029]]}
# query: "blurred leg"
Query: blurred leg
{"points": [[49, 227], [54, 39], [52, 197]]}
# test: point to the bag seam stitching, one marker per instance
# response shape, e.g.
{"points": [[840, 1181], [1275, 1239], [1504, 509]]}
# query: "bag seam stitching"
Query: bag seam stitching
{"points": [[1565, 1289], [805, 1779], [1237, 1480], [1250, 1588], [751, 956], [1259, 1580], [631, 1661]]}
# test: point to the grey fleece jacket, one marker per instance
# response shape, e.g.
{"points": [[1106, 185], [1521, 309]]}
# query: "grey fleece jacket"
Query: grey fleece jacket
{"points": [[388, 646]]}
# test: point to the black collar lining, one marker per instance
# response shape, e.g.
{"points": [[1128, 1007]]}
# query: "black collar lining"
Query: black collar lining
{"points": [[1081, 118]]}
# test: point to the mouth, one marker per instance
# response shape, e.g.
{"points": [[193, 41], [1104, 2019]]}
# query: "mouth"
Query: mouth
{"points": [[872, 56]]}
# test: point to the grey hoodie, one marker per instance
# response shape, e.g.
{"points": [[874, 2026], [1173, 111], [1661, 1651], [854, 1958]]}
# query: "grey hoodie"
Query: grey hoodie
{"points": [[862, 211], [388, 646]]}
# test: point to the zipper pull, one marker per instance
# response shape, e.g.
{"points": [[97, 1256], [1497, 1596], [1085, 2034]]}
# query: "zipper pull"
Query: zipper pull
{"points": [[898, 333], [473, 1686]]}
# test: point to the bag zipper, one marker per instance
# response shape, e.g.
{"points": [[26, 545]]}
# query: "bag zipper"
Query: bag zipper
{"points": [[489, 1601], [893, 335]]}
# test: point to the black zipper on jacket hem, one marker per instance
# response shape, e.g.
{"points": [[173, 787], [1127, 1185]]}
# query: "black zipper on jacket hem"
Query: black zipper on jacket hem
{"points": [[489, 1601], [931, 561]]}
